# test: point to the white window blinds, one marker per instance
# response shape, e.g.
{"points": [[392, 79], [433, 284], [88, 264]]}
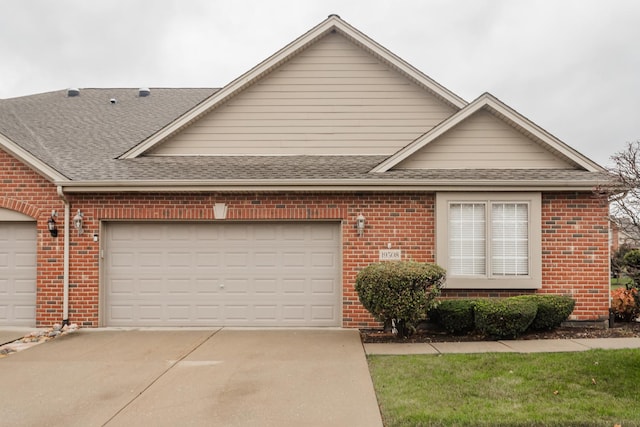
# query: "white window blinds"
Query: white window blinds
{"points": [[467, 244], [509, 239]]}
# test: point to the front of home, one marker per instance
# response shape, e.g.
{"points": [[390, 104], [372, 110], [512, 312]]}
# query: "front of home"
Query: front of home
{"points": [[257, 204]]}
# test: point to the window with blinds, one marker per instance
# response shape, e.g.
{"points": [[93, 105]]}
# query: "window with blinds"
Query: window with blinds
{"points": [[495, 247], [490, 240]]}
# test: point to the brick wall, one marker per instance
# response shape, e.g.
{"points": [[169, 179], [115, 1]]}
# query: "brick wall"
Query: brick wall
{"points": [[574, 237], [575, 251]]}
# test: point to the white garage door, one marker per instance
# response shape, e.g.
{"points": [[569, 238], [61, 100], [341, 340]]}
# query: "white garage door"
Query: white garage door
{"points": [[18, 273], [232, 274]]}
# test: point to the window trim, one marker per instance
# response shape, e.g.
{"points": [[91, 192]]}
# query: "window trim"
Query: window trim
{"points": [[531, 281]]}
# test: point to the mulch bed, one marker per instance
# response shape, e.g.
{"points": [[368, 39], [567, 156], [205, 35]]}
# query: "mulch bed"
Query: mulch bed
{"points": [[433, 334]]}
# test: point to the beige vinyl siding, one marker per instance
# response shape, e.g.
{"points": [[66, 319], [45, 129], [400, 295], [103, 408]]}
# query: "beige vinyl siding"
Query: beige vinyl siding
{"points": [[333, 98], [483, 142]]}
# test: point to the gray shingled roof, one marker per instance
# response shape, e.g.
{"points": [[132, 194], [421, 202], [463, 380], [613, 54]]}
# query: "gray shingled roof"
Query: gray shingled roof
{"points": [[81, 137]]}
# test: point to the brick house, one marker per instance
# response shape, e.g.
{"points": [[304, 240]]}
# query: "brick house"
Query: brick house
{"points": [[256, 204]]}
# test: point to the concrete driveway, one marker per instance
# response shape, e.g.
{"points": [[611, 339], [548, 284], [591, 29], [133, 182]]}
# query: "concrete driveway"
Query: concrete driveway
{"points": [[191, 377]]}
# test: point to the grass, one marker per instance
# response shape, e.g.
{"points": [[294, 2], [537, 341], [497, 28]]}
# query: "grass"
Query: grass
{"points": [[593, 388], [618, 282]]}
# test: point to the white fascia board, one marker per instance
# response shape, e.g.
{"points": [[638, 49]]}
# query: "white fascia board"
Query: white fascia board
{"points": [[488, 100], [30, 160], [248, 78]]}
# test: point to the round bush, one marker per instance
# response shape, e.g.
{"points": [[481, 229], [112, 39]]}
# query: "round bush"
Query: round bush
{"points": [[552, 310], [455, 315], [504, 318], [400, 292]]}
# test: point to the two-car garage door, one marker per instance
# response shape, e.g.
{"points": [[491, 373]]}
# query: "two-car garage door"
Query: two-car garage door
{"points": [[222, 274]]}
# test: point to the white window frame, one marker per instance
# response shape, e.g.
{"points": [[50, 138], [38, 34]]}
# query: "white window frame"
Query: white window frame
{"points": [[488, 281]]}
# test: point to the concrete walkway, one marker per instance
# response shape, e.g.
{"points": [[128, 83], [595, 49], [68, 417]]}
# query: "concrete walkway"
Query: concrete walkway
{"points": [[507, 346]]}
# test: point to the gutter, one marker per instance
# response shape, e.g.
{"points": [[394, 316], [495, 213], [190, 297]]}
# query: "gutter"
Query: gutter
{"points": [[65, 298], [358, 185]]}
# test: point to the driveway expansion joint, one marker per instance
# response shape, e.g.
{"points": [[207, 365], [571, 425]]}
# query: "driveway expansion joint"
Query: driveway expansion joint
{"points": [[162, 374]]}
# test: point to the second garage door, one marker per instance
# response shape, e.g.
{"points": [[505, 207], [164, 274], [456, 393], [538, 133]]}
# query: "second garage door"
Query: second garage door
{"points": [[232, 274], [18, 242]]}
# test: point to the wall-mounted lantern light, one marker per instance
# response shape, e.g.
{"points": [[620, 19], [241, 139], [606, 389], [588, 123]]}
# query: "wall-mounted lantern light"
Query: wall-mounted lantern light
{"points": [[51, 224], [360, 222], [77, 222]]}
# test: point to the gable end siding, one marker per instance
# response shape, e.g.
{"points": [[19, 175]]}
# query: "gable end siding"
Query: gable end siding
{"points": [[333, 98], [483, 142]]}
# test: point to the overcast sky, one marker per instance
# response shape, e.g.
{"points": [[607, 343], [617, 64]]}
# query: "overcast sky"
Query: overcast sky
{"points": [[571, 66]]}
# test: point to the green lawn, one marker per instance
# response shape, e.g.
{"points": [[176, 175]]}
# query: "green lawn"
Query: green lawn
{"points": [[618, 282], [593, 388]]}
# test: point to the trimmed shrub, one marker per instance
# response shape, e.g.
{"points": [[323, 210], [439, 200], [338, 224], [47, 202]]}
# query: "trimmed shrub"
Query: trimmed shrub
{"points": [[455, 316], [624, 303], [552, 310], [506, 317], [399, 292]]}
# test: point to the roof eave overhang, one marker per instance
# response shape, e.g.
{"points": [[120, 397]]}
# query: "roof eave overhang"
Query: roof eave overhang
{"points": [[31, 161], [324, 186]]}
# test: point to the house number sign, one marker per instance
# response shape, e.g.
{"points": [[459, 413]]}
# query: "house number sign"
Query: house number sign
{"points": [[390, 255]]}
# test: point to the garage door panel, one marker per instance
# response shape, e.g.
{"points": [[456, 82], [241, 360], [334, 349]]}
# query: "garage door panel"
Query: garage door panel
{"points": [[294, 259], [235, 274], [25, 313], [266, 286], [148, 286], [153, 259], [322, 313], [206, 286], [207, 313], [24, 287]]}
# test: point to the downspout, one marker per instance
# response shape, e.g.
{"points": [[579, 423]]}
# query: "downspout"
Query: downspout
{"points": [[65, 297]]}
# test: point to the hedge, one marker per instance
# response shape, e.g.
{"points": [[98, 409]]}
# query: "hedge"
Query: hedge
{"points": [[504, 318]]}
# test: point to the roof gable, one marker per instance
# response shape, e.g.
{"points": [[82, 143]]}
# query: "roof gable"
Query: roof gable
{"points": [[333, 98], [331, 25], [529, 145]]}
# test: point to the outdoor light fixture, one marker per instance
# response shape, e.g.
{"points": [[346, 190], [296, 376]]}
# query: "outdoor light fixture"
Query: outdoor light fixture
{"points": [[360, 224], [51, 224], [77, 222]]}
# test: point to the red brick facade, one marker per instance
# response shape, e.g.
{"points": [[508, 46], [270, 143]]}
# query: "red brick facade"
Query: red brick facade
{"points": [[574, 237]]}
